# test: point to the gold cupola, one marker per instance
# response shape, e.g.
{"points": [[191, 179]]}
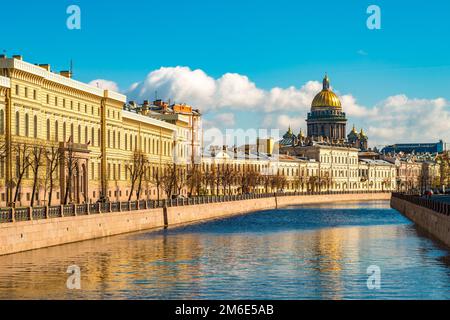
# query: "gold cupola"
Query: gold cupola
{"points": [[326, 97]]}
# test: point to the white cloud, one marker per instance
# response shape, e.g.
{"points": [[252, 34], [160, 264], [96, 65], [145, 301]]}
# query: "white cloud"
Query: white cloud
{"points": [[221, 120], [105, 84], [230, 91], [397, 118]]}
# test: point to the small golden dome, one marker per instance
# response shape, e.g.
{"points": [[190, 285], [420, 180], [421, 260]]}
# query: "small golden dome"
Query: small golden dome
{"points": [[326, 97]]}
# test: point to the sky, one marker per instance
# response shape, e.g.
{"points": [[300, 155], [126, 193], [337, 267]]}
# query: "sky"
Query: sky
{"points": [[255, 64]]}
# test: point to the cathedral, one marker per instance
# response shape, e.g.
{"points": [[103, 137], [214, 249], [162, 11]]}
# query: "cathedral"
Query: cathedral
{"points": [[326, 124]]}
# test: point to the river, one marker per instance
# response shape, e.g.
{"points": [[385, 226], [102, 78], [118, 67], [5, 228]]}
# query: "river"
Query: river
{"points": [[299, 252]]}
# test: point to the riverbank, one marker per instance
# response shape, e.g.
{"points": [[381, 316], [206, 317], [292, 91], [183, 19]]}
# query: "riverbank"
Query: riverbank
{"points": [[28, 235], [435, 223]]}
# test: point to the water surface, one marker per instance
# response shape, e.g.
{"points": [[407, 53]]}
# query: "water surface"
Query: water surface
{"points": [[301, 252]]}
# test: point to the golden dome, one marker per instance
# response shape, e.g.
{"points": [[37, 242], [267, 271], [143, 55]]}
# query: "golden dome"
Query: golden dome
{"points": [[326, 97]]}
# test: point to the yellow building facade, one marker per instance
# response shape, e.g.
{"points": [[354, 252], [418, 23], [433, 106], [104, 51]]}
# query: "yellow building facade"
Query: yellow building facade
{"points": [[40, 108]]}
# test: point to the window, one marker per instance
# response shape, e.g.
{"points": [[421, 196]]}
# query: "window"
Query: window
{"points": [[86, 135], [17, 90], [118, 139], [99, 140], [79, 134], [56, 131], [64, 132], [48, 129], [92, 136], [26, 92], [17, 123], [35, 127], [56, 101], [71, 132], [48, 99], [34, 94], [126, 141], [64, 103]]}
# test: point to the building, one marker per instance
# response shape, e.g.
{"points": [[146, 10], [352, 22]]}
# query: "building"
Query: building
{"points": [[185, 117], [68, 142], [345, 162], [327, 120], [327, 124], [416, 148]]}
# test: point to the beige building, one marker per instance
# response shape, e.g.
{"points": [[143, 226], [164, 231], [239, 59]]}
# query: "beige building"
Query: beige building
{"points": [[94, 137]]}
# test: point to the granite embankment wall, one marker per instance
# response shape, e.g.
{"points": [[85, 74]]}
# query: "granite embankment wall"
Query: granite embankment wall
{"points": [[436, 224], [27, 235]]}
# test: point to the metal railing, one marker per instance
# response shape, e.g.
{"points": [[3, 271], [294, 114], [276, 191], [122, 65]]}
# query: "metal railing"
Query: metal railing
{"points": [[429, 203], [8, 215]]}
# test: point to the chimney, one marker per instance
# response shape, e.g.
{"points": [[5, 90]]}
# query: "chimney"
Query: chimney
{"points": [[66, 74], [45, 66], [17, 57]]}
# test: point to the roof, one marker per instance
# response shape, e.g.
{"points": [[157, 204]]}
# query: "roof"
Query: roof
{"points": [[376, 162], [12, 63]]}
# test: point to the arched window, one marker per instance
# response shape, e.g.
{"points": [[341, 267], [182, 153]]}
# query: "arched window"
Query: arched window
{"points": [[56, 131], [17, 123], [35, 127], [48, 129]]}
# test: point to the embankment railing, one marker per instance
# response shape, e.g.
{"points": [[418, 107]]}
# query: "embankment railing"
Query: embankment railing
{"points": [[429, 203], [9, 215]]}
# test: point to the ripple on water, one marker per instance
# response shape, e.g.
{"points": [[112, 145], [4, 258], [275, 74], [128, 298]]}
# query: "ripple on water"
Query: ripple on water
{"points": [[301, 252]]}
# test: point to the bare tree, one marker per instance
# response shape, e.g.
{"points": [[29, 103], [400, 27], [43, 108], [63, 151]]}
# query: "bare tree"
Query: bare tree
{"points": [[53, 156], [22, 152], [180, 178], [137, 170], [212, 180], [168, 180], [37, 155], [228, 178], [71, 163], [194, 179]]}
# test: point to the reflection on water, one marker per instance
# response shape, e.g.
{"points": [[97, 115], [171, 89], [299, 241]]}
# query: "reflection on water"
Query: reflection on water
{"points": [[303, 252]]}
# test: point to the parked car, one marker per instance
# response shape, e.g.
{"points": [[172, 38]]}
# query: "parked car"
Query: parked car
{"points": [[428, 193]]}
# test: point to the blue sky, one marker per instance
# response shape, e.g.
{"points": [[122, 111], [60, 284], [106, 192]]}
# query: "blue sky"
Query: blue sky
{"points": [[273, 43]]}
